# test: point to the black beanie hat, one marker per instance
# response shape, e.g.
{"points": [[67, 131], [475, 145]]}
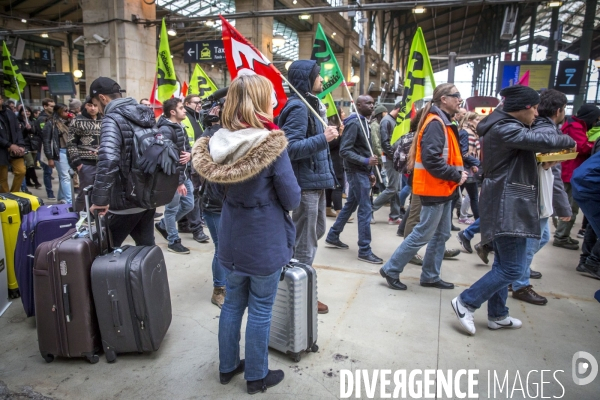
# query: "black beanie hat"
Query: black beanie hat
{"points": [[588, 113], [519, 97], [314, 72]]}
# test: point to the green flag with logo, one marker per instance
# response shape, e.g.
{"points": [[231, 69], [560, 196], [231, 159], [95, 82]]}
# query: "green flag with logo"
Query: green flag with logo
{"points": [[14, 83], [330, 104], [165, 72], [418, 85], [201, 84], [330, 70]]}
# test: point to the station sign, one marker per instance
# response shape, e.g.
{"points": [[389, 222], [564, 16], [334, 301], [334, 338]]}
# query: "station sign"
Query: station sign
{"points": [[570, 75], [203, 51]]}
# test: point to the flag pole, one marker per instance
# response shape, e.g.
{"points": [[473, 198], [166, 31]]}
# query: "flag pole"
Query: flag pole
{"points": [[21, 98]]}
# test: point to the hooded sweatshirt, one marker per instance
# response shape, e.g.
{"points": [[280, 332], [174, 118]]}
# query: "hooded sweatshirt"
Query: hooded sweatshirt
{"points": [[307, 148]]}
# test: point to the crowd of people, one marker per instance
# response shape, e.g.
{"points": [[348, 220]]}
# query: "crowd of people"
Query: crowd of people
{"points": [[264, 187]]}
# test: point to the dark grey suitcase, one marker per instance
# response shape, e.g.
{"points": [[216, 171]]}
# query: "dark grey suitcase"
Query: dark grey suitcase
{"points": [[294, 321], [132, 298]]}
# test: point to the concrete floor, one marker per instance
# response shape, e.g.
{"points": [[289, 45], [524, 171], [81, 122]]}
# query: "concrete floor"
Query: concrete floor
{"points": [[369, 327]]}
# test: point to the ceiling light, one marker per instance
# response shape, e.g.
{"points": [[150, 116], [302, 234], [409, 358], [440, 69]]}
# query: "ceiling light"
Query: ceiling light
{"points": [[304, 16], [287, 65], [24, 21], [554, 3], [172, 31], [210, 22], [278, 41], [212, 65], [357, 52], [355, 79], [295, 2], [77, 73], [333, 34], [44, 35], [372, 64], [418, 10]]}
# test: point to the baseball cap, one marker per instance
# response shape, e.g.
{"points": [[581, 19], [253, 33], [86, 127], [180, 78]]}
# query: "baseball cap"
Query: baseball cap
{"points": [[104, 85]]}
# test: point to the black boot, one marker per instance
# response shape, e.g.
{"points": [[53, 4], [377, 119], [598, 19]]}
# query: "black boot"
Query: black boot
{"points": [[273, 378]]}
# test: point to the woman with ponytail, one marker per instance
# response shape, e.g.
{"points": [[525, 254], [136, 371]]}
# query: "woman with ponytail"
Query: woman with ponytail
{"points": [[436, 160]]}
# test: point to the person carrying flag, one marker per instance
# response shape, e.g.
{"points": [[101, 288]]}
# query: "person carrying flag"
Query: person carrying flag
{"points": [[12, 149], [309, 152]]}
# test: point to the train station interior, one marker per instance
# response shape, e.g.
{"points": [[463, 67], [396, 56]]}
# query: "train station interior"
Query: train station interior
{"points": [[369, 327]]}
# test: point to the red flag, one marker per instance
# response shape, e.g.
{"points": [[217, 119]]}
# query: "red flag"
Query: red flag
{"points": [[524, 80], [241, 54], [184, 89], [155, 103]]}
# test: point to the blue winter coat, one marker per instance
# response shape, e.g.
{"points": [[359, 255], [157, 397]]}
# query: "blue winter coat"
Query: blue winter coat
{"points": [[307, 146], [586, 180], [257, 234]]}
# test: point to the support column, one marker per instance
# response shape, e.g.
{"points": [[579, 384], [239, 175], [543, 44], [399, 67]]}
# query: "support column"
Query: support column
{"points": [[585, 48], [130, 56], [305, 45], [532, 32], [257, 30], [75, 64]]}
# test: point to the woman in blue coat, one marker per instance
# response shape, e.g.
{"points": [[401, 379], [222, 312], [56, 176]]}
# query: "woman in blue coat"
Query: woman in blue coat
{"points": [[256, 237]]}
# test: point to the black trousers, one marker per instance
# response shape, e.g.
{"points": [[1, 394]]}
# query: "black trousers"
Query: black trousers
{"points": [[590, 249], [140, 226]]}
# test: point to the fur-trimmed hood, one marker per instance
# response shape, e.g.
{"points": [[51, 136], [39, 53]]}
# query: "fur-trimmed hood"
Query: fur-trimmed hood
{"points": [[236, 164]]}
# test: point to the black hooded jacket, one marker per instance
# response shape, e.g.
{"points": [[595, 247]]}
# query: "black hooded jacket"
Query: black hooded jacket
{"points": [[122, 118], [175, 132], [509, 201], [9, 133]]}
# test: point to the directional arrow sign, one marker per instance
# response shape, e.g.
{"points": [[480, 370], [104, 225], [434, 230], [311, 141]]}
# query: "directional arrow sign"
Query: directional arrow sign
{"points": [[203, 51]]}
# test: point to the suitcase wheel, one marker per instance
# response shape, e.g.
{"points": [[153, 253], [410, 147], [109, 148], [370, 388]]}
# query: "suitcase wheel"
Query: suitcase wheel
{"points": [[111, 356], [314, 348], [13, 294], [93, 359], [48, 357], [296, 357]]}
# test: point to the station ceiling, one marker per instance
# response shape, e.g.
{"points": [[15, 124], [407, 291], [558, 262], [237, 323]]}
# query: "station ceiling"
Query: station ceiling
{"points": [[466, 27]]}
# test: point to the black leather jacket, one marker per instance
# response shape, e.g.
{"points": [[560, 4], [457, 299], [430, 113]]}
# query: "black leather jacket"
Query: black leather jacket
{"points": [[509, 202], [176, 133], [123, 117]]}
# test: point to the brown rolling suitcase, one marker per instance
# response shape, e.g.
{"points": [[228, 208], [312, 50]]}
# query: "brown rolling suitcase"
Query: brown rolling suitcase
{"points": [[65, 315]]}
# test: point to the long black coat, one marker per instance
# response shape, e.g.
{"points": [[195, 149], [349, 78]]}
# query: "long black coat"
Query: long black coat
{"points": [[9, 134], [509, 201]]}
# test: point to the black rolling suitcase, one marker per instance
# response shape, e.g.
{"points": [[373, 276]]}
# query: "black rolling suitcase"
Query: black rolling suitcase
{"points": [[132, 298]]}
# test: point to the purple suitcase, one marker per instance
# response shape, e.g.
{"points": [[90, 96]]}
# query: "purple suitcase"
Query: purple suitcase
{"points": [[44, 225]]}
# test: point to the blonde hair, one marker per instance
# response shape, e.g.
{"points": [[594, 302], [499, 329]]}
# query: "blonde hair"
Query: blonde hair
{"points": [[248, 98], [470, 116], [442, 90]]}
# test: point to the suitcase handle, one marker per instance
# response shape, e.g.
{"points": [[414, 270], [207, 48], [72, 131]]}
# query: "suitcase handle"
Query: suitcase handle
{"points": [[114, 305], [98, 221], [66, 302]]}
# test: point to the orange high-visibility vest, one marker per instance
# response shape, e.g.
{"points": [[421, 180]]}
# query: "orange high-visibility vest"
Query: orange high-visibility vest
{"points": [[425, 184]]}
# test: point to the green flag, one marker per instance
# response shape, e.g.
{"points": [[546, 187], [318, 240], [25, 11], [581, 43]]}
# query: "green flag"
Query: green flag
{"points": [[419, 83], [201, 84], [330, 70], [330, 104], [165, 72], [12, 75]]}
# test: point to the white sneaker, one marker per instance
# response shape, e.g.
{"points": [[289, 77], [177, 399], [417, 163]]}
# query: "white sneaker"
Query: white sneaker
{"points": [[506, 323], [465, 317]]}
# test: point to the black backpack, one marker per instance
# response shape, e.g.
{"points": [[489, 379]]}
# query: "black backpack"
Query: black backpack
{"points": [[149, 190]]}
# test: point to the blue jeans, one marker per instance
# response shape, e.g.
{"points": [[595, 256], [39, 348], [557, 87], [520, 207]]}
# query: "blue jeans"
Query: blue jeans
{"points": [[405, 192], [64, 180], [358, 197], [47, 179], [433, 230], [510, 259], [472, 229], [258, 294], [533, 246], [391, 192], [219, 273], [175, 210]]}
